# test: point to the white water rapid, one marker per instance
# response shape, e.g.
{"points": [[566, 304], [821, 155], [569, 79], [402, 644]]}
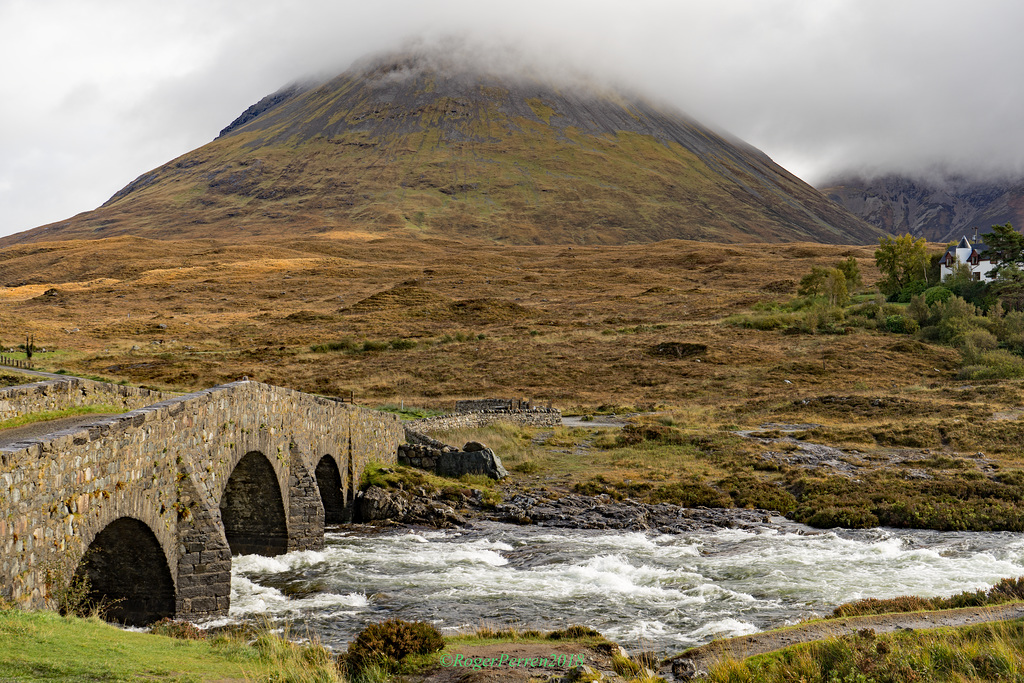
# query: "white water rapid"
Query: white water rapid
{"points": [[645, 590]]}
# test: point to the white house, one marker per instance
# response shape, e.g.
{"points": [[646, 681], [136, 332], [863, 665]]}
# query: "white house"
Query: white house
{"points": [[964, 252]]}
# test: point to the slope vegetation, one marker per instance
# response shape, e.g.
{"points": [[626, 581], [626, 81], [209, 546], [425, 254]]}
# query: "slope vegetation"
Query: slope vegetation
{"points": [[409, 145]]}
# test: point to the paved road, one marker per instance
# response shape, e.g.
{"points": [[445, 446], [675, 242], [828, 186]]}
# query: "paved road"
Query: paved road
{"points": [[33, 431], [36, 373]]}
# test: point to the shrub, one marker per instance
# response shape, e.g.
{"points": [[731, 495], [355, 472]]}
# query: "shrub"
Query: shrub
{"points": [[747, 491], [387, 643], [400, 344], [912, 289], [823, 317], [369, 345], [573, 633], [346, 344], [935, 294], [900, 324], [982, 340], [952, 330], [919, 310], [868, 309], [998, 364], [974, 343], [831, 517], [690, 494]]}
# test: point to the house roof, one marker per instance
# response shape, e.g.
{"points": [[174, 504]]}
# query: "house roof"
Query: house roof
{"points": [[978, 247]]}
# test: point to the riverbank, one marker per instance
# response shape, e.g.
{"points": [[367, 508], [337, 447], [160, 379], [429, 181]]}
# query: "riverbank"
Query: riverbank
{"points": [[452, 506], [698, 661]]}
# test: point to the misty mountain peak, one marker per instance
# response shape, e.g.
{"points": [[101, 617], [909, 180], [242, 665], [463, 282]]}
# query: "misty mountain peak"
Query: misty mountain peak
{"points": [[454, 142]]}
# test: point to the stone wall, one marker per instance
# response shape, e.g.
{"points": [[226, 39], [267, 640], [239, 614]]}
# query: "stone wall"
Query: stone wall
{"points": [[472, 405], [534, 417], [61, 394], [483, 404], [425, 452], [167, 465]]}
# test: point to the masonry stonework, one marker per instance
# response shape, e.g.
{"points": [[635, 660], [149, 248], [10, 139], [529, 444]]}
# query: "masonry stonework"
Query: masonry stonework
{"points": [[167, 465], [61, 394], [425, 452]]}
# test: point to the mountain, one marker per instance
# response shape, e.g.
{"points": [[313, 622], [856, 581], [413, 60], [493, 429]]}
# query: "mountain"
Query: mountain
{"points": [[941, 210], [419, 144]]}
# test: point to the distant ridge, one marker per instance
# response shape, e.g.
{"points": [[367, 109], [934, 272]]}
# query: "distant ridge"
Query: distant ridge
{"points": [[940, 210], [417, 144]]}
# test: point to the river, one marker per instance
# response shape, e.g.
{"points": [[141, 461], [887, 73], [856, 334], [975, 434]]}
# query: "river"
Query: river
{"points": [[649, 591]]}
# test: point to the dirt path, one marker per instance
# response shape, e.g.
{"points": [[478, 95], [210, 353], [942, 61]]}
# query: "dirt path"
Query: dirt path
{"points": [[686, 666]]}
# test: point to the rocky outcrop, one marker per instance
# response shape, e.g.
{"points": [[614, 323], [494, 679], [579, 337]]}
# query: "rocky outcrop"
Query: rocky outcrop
{"points": [[375, 505], [480, 460], [448, 461]]}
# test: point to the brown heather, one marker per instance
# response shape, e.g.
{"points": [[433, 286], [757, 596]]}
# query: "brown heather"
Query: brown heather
{"points": [[421, 323]]}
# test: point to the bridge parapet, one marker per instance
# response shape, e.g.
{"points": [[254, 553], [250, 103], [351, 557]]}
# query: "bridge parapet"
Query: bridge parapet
{"points": [[72, 392], [174, 467]]}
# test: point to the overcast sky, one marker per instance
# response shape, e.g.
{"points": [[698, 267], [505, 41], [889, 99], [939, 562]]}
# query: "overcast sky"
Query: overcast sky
{"points": [[97, 92]]}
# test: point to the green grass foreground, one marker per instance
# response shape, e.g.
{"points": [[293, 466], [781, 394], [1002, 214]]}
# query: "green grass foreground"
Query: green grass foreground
{"points": [[44, 646], [985, 652]]}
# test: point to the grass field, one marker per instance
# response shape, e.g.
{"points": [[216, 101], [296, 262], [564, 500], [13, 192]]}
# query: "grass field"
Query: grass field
{"points": [[43, 646]]}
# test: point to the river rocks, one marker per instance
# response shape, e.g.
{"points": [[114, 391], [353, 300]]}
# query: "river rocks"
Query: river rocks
{"points": [[575, 511], [687, 670], [376, 504], [572, 511], [403, 507]]}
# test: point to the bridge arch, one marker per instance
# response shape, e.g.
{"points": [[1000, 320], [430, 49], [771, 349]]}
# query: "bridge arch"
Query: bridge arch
{"points": [[252, 508], [332, 490], [128, 572]]}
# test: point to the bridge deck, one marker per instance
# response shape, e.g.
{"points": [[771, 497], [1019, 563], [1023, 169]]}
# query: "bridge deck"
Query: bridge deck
{"points": [[36, 430]]}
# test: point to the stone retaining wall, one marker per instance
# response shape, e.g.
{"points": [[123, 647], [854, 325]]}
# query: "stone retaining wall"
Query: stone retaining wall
{"points": [[61, 394], [472, 405], [534, 417]]}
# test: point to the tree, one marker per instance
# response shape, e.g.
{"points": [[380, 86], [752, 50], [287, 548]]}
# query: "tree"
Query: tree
{"points": [[825, 282], [835, 288], [1009, 287], [901, 260], [851, 271], [1004, 246], [812, 283]]}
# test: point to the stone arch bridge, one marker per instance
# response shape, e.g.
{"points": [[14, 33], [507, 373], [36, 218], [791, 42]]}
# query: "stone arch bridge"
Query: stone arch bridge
{"points": [[151, 504]]}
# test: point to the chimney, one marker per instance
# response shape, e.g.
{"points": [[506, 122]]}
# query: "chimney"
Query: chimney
{"points": [[975, 234]]}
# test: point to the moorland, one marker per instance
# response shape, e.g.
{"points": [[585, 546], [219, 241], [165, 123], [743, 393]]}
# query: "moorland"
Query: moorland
{"points": [[739, 381]]}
